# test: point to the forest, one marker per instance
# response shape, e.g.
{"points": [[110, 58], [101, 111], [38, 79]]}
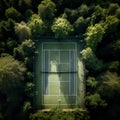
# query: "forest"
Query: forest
{"points": [[98, 21]]}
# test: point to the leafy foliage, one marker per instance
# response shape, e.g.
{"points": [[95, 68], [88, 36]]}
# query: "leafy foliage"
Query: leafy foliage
{"points": [[116, 49], [61, 27], [92, 62], [94, 35], [10, 69], [24, 51], [80, 25], [98, 14], [26, 3], [36, 25], [23, 31], [91, 82], [6, 29], [114, 66], [110, 85], [95, 101], [46, 10], [29, 89], [111, 24], [22, 21], [117, 13], [112, 8], [72, 15], [11, 83], [83, 10], [28, 14], [12, 13], [58, 114]]}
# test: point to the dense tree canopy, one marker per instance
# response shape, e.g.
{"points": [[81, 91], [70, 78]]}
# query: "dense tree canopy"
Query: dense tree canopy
{"points": [[98, 22], [11, 84]]}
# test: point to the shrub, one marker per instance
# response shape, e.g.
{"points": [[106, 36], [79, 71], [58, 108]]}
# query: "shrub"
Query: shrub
{"points": [[94, 101], [58, 114]]}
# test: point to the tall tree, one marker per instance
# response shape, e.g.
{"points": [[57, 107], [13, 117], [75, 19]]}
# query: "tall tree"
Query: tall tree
{"points": [[11, 84], [46, 10], [61, 27], [94, 35], [13, 14], [23, 31], [92, 62], [36, 25]]}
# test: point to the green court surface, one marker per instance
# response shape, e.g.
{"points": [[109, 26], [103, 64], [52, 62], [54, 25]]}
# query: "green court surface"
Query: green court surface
{"points": [[59, 75]]}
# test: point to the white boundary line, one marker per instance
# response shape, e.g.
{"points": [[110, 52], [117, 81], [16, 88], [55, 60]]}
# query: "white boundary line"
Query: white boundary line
{"points": [[76, 68]]}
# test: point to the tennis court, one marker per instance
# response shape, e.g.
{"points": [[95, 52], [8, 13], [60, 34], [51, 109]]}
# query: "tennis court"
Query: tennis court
{"points": [[59, 72], [59, 76]]}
